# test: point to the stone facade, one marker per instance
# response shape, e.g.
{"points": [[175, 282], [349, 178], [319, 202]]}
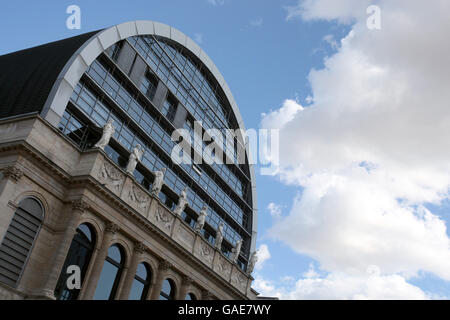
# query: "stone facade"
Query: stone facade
{"points": [[78, 187]]}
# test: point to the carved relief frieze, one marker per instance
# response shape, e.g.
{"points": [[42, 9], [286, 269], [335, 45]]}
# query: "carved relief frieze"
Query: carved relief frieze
{"points": [[184, 237], [110, 176], [239, 280], [139, 197], [163, 218], [222, 266]]}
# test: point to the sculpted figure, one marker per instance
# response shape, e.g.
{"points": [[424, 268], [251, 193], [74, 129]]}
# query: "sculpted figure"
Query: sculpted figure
{"points": [[201, 219], [108, 131], [219, 236], [236, 251], [182, 203], [135, 156], [158, 182], [252, 262]]}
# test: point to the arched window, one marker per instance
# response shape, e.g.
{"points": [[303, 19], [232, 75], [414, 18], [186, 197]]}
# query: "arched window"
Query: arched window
{"points": [[167, 291], [110, 276], [190, 296], [141, 283], [79, 254], [19, 239]]}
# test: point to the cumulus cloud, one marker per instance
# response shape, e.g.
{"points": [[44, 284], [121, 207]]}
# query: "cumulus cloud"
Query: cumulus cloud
{"points": [[342, 286], [263, 256], [274, 210], [279, 118], [371, 150]]}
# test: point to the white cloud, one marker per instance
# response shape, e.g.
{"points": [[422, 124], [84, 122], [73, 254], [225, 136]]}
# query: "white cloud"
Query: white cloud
{"points": [[279, 118], [344, 11], [342, 286], [263, 256], [274, 209], [371, 150], [329, 38], [311, 273]]}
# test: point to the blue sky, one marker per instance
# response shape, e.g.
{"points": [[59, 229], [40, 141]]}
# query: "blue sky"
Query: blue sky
{"points": [[265, 59]]}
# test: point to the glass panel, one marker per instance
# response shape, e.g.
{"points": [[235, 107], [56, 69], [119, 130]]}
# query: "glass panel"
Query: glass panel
{"points": [[142, 271], [166, 288], [106, 282], [136, 290], [79, 254], [190, 296], [84, 229], [114, 254]]}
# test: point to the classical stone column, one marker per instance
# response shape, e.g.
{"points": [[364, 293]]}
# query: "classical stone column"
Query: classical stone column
{"points": [[59, 257], [163, 267], [185, 285], [91, 283], [139, 248]]}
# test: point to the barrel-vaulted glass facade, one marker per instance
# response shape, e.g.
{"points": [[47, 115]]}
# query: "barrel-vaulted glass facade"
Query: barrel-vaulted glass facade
{"points": [[150, 86]]}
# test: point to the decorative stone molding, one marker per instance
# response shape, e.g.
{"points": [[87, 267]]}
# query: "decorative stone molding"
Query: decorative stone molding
{"points": [[139, 247], [207, 295], [222, 266], [239, 280], [187, 281], [164, 265], [110, 176], [205, 250], [79, 205], [12, 172], [139, 197], [112, 228], [163, 218], [183, 236]]}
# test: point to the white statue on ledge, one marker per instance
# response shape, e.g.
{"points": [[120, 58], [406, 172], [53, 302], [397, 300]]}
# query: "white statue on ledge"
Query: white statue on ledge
{"points": [[236, 251], [135, 156], [201, 219], [158, 182], [182, 202], [252, 262], [108, 131], [219, 236]]}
